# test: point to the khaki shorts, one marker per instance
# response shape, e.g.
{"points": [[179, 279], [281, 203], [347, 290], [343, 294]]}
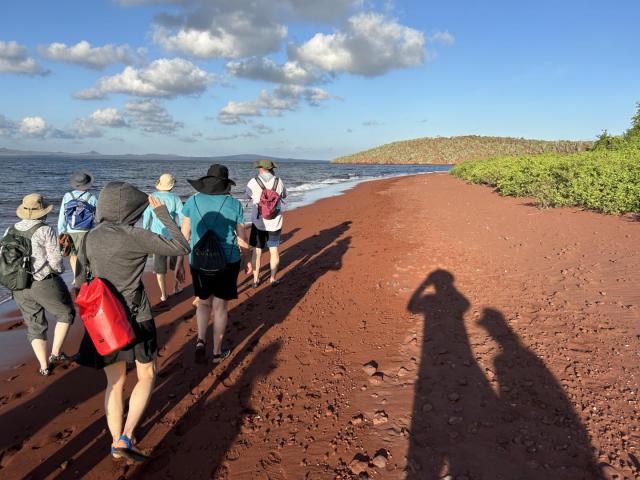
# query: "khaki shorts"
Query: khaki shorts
{"points": [[76, 238]]}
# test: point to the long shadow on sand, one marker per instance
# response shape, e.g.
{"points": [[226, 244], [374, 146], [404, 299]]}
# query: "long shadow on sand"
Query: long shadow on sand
{"points": [[250, 320], [516, 424]]}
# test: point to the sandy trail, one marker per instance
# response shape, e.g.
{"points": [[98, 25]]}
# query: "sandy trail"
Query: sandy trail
{"points": [[502, 342]]}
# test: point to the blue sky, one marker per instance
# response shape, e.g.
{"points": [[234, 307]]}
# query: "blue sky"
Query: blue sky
{"points": [[310, 79]]}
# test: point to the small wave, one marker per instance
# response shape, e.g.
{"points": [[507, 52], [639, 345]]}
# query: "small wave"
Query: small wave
{"points": [[305, 187]]}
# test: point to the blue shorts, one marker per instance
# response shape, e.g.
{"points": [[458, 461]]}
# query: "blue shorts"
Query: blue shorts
{"points": [[262, 239]]}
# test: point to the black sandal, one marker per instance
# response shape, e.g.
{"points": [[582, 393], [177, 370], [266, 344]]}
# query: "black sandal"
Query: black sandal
{"points": [[201, 353]]}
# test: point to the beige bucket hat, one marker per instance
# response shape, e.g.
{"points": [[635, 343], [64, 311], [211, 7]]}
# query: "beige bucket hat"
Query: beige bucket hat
{"points": [[33, 207], [165, 182]]}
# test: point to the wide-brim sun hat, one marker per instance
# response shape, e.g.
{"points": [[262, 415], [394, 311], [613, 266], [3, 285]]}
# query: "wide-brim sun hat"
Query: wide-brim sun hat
{"points": [[166, 182], [33, 207], [215, 182], [81, 180], [266, 164]]}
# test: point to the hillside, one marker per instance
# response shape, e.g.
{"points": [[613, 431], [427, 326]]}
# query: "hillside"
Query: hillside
{"points": [[450, 150]]}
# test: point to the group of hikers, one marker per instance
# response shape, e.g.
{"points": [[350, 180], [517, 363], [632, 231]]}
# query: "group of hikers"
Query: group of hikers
{"points": [[102, 241]]}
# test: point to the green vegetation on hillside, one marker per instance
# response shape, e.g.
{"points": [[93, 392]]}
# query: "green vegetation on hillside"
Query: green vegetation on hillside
{"points": [[606, 178], [450, 150]]}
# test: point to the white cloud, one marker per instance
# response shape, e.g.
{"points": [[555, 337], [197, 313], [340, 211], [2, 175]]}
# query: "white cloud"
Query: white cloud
{"points": [[150, 116], [228, 35], [255, 68], [161, 78], [232, 137], [274, 104], [443, 38], [33, 127], [108, 117], [371, 45], [14, 58], [85, 55], [262, 129]]}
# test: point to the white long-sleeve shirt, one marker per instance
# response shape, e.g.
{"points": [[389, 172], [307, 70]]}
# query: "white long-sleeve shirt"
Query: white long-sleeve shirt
{"points": [[45, 252], [253, 192]]}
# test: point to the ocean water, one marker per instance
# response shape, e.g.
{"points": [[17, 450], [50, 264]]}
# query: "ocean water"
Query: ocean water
{"points": [[306, 181]]}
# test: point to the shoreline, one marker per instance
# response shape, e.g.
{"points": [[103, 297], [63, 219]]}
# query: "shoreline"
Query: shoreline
{"points": [[429, 325]]}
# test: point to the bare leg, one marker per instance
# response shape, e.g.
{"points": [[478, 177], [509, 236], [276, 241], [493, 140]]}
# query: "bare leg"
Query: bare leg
{"points": [[256, 267], [40, 349], [203, 314], [59, 336], [162, 283], [113, 398], [220, 312], [139, 397], [274, 262], [73, 259]]}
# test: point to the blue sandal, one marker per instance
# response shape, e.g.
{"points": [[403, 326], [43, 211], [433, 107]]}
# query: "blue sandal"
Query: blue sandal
{"points": [[129, 452]]}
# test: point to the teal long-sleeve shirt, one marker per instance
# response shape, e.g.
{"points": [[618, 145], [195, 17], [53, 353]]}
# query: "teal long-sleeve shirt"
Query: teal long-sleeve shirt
{"points": [[174, 206]]}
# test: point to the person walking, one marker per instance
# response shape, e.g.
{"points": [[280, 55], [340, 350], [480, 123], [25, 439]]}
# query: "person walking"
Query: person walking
{"points": [[116, 251], [150, 221], [45, 288], [77, 215], [214, 210], [266, 192]]}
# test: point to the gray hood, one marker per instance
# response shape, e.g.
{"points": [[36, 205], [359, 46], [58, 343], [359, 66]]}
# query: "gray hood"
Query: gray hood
{"points": [[121, 203]]}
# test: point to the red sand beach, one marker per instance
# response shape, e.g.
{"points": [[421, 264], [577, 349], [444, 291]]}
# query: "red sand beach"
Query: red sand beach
{"points": [[424, 329]]}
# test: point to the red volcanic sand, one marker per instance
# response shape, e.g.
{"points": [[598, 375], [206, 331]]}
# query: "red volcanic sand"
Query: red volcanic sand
{"points": [[501, 342]]}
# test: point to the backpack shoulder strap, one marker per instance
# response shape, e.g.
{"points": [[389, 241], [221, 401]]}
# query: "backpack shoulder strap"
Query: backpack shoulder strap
{"points": [[260, 184], [275, 184], [25, 233]]}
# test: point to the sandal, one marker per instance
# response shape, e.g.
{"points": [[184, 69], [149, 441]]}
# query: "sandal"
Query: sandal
{"points": [[58, 359], [275, 283], [218, 358], [201, 353], [129, 452], [255, 284], [45, 372]]}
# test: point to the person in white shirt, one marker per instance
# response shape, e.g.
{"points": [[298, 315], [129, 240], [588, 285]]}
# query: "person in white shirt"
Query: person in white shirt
{"points": [[265, 233]]}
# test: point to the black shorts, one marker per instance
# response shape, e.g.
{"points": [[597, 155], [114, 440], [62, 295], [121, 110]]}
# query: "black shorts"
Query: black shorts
{"points": [[222, 285], [143, 350], [160, 263], [263, 239]]}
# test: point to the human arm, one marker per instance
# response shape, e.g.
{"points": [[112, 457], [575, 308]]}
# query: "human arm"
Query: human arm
{"points": [[146, 219], [62, 222], [49, 239]]}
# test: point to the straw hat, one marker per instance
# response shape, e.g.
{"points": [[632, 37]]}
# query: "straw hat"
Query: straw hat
{"points": [[165, 182], [33, 207]]}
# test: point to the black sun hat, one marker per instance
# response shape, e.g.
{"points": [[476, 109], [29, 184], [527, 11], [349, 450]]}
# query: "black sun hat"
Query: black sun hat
{"points": [[215, 182]]}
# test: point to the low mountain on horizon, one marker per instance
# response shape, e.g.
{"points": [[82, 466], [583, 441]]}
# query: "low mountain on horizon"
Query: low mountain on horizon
{"points": [[245, 157]]}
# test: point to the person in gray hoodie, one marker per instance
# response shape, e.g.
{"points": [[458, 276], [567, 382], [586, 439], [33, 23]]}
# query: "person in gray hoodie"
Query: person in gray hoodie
{"points": [[116, 251]]}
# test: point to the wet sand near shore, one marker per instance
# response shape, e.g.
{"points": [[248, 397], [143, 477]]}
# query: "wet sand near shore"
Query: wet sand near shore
{"points": [[423, 328]]}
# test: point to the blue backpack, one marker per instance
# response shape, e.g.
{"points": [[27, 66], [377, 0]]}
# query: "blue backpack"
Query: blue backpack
{"points": [[79, 214]]}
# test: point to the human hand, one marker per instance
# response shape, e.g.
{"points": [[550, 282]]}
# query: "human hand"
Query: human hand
{"points": [[154, 202], [180, 273], [248, 268]]}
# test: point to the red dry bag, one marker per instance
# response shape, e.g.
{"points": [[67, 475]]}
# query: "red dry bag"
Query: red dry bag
{"points": [[104, 317]]}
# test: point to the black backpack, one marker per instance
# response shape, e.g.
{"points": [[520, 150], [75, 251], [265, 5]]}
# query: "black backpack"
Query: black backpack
{"points": [[15, 258], [207, 256]]}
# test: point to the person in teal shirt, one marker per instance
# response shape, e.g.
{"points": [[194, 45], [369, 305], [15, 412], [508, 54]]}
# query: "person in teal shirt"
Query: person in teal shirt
{"points": [[172, 201], [214, 209]]}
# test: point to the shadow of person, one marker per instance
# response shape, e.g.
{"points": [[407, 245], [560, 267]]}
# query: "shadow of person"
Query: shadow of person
{"points": [[309, 260], [548, 430], [461, 425]]}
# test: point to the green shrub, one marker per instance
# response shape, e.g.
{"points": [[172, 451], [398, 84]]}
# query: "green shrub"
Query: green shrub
{"points": [[605, 180]]}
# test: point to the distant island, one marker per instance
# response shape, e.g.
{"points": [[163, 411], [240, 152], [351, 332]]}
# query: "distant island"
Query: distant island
{"points": [[452, 150], [245, 157]]}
